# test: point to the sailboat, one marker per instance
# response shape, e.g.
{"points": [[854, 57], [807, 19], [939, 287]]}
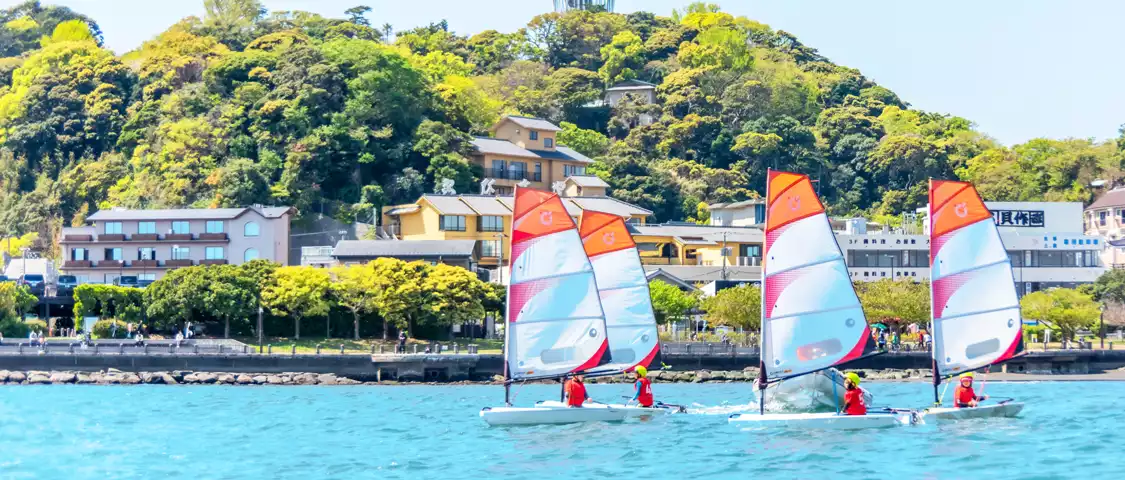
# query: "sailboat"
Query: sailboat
{"points": [[811, 316], [623, 289], [556, 326], [975, 311]]}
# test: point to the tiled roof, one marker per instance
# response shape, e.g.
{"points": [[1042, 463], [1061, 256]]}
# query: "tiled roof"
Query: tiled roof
{"points": [[403, 248], [449, 204], [486, 205], [493, 146], [609, 205], [587, 181], [572, 154], [1112, 198], [733, 205], [703, 273], [184, 213], [530, 122], [483, 205], [632, 85], [708, 232]]}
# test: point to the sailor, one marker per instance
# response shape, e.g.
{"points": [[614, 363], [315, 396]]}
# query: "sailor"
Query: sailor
{"points": [[576, 391], [853, 399], [643, 387], [964, 396]]}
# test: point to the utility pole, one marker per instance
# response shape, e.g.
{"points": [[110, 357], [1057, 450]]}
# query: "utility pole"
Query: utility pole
{"points": [[259, 324]]}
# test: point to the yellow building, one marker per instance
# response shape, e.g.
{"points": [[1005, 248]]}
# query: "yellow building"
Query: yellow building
{"points": [[524, 148]]}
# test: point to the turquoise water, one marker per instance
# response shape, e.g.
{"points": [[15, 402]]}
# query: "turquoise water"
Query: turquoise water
{"points": [[1068, 430]]}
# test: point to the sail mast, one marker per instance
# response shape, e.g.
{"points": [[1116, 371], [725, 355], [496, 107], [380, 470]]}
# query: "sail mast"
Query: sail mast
{"points": [[933, 358], [762, 377]]}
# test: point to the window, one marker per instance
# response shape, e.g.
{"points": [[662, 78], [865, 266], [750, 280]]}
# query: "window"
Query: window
{"points": [[146, 254], [1016, 258], [532, 134], [181, 253], [538, 172], [146, 228], [750, 250], [549, 142], [1101, 218], [214, 226], [888, 258], [181, 228], [490, 223], [1121, 216], [574, 170], [249, 255], [498, 168], [251, 230], [113, 228], [113, 254], [452, 223], [151, 277], [215, 253], [490, 248], [79, 254]]}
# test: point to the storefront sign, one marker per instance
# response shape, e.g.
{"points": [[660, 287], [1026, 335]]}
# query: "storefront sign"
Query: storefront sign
{"points": [[1018, 218]]}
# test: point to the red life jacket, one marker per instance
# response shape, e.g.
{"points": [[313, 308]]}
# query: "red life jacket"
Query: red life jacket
{"points": [[963, 395], [575, 393], [853, 402], [645, 397]]}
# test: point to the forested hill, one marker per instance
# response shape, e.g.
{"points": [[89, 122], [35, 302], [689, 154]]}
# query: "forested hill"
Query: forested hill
{"points": [[339, 115]]}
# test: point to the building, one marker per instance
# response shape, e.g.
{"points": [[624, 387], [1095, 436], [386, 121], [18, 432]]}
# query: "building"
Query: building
{"points": [[524, 149], [689, 244], [458, 253], [562, 6], [1105, 218], [1044, 240], [486, 220], [738, 214], [147, 243]]}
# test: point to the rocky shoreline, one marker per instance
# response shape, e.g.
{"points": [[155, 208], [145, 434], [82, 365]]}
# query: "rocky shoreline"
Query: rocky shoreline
{"points": [[181, 377]]}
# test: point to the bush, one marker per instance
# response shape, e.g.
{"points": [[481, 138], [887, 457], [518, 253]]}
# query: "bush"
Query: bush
{"points": [[14, 329], [103, 328]]}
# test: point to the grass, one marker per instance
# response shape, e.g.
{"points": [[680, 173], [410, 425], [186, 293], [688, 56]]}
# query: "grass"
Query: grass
{"points": [[283, 345]]}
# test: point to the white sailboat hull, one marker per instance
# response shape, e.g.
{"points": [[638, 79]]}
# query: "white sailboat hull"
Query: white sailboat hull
{"points": [[821, 421], [631, 411], [1010, 409], [815, 389], [550, 415]]}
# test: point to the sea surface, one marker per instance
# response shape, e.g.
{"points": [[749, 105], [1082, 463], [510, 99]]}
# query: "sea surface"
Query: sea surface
{"points": [[1067, 430]]}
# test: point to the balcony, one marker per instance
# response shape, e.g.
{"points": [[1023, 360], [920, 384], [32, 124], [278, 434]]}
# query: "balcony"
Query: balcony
{"points": [[668, 261], [749, 261], [178, 263], [110, 264], [145, 263], [111, 237], [145, 237], [78, 264], [78, 238], [215, 261], [514, 175], [178, 237], [222, 237]]}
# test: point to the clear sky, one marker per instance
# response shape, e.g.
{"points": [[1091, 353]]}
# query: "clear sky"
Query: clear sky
{"points": [[1020, 69]]}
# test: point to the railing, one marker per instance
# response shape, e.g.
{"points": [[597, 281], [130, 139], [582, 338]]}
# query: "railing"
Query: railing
{"points": [[749, 261], [668, 261], [213, 261], [514, 175]]}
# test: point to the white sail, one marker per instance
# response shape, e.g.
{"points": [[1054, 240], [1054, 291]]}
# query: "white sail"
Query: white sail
{"points": [[812, 318], [975, 309], [555, 320], [623, 288]]}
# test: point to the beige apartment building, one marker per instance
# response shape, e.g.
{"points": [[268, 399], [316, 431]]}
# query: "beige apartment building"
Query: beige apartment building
{"points": [[147, 243], [524, 148]]}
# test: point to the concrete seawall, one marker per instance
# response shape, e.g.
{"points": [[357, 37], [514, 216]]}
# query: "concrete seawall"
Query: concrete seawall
{"points": [[446, 367]]}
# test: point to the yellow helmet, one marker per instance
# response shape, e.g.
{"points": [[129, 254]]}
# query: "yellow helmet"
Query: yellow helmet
{"points": [[642, 371], [968, 375], [853, 377]]}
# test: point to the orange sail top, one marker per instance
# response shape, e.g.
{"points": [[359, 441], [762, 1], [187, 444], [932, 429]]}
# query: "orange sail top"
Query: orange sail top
{"points": [[791, 198], [954, 205], [603, 233], [537, 214]]}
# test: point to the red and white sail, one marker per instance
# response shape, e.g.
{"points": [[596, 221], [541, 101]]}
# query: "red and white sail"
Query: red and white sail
{"points": [[975, 309], [623, 288], [555, 321], [811, 316]]}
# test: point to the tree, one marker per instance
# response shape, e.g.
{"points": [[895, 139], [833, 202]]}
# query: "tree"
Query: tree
{"points": [[356, 290], [590, 143], [623, 58], [298, 292], [1064, 308], [357, 15], [669, 302], [454, 295], [735, 307], [229, 294], [174, 300], [1110, 287], [900, 300]]}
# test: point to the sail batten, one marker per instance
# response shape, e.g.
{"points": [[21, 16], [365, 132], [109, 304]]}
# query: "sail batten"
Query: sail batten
{"points": [[556, 324], [975, 311], [812, 318], [623, 289]]}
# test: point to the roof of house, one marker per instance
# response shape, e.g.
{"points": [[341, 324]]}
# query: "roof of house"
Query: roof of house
{"points": [[587, 181], [403, 248], [733, 205], [185, 213], [702, 273], [1112, 198], [486, 205], [493, 146], [713, 234], [449, 205], [529, 122], [609, 205], [502, 205], [632, 85], [660, 274]]}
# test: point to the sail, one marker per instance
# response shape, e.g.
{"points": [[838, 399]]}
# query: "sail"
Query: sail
{"points": [[623, 288], [975, 310], [811, 316], [555, 321]]}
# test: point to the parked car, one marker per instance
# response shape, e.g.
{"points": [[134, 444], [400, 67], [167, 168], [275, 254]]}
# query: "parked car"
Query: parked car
{"points": [[66, 285], [144, 283], [35, 282], [126, 281]]}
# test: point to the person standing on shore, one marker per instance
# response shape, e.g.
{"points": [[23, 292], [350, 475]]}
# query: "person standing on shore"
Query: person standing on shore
{"points": [[642, 387], [964, 396], [402, 341], [576, 391], [853, 399]]}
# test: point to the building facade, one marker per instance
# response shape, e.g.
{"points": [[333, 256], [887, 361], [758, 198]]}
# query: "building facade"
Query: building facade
{"points": [[147, 243], [524, 149], [458, 253], [1105, 218]]}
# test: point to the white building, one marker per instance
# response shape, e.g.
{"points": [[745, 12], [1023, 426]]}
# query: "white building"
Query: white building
{"points": [[1045, 243], [1106, 218], [738, 214]]}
